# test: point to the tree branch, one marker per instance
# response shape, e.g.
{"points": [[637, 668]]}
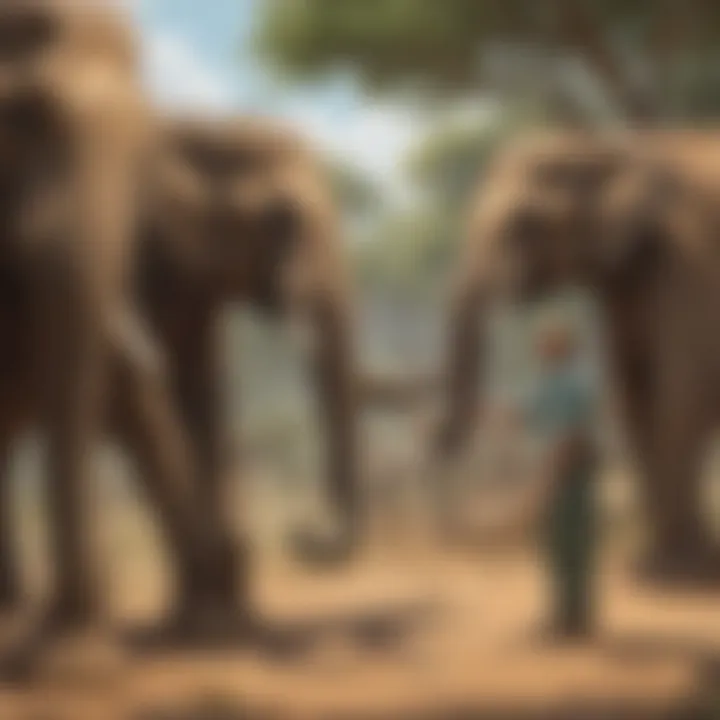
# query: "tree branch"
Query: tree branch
{"points": [[673, 29], [580, 31]]}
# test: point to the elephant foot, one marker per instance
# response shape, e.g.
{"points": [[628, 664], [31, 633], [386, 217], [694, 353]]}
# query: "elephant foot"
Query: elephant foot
{"points": [[322, 550], [58, 643], [213, 605], [690, 568], [217, 624], [70, 615], [227, 585], [194, 626]]}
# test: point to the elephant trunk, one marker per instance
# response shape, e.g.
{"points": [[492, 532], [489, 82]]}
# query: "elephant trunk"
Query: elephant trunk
{"points": [[335, 379], [463, 369]]}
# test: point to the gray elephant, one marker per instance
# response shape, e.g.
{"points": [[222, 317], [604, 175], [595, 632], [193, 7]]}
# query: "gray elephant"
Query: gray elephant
{"points": [[634, 219]]}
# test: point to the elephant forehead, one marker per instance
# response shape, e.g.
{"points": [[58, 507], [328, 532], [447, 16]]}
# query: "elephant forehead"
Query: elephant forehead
{"points": [[251, 187], [570, 161], [535, 147], [269, 138], [574, 173], [234, 145]]}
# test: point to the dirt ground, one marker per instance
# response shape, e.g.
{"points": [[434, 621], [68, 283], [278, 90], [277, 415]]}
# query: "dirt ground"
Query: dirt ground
{"points": [[405, 636], [407, 631]]}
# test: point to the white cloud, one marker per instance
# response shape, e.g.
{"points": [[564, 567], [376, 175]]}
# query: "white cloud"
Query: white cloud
{"points": [[371, 136], [374, 138], [179, 80]]}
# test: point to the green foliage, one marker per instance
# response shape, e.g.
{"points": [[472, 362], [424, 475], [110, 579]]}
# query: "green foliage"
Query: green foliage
{"points": [[412, 248], [435, 46], [447, 164], [353, 191], [409, 250], [431, 43]]}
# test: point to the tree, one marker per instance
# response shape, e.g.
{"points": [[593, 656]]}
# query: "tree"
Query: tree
{"points": [[408, 250], [354, 192], [644, 53], [447, 164], [412, 247]]}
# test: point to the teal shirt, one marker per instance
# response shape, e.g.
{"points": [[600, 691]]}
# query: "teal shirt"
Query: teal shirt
{"points": [[563, 402]]}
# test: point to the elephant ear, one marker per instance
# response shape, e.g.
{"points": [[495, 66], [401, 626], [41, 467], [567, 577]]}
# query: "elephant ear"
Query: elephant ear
{"points": [[175, 204], [179, 188], [635, 223]]}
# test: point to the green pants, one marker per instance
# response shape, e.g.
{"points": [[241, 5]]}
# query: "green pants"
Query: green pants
{"points": [[570, 545]]}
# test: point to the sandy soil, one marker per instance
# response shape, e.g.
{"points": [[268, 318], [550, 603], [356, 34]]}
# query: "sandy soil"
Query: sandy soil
{"points": [[403, 636]]}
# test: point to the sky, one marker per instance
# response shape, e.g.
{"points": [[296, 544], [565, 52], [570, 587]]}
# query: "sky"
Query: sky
{"points": [[198, 55]]}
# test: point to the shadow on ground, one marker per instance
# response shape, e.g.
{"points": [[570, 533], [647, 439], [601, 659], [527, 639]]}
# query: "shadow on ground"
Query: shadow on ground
{"points": [[217, 709], [384, 627]]}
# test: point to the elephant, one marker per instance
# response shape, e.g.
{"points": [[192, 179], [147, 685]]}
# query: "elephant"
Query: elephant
{"points": [[239, 211], [233, 211], [631, 217], [75, 134]]}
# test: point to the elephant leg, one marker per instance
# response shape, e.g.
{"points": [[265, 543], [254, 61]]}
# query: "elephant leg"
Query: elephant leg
{"points": [[671, 476], [199, 377], [78, 275], [76, 598], [148, 422], [10, 585], [664, 400], [72, 355], [667, 433], [680, 546], [334, 377]]}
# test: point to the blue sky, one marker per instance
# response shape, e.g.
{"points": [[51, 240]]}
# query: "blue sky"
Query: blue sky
{"points": [[198, 55]]}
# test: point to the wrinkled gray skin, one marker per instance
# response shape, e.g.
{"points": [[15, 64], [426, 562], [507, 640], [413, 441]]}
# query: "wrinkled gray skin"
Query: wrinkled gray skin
{"points": [[239, 213], [634, 220], [74, 131]]}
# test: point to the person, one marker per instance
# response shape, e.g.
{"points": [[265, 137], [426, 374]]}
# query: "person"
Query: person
{"points": [[561, 414]]}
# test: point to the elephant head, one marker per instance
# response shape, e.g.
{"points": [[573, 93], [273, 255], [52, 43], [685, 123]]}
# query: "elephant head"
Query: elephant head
{"points": [[71, 109], [573, 210], [244, 215]]}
